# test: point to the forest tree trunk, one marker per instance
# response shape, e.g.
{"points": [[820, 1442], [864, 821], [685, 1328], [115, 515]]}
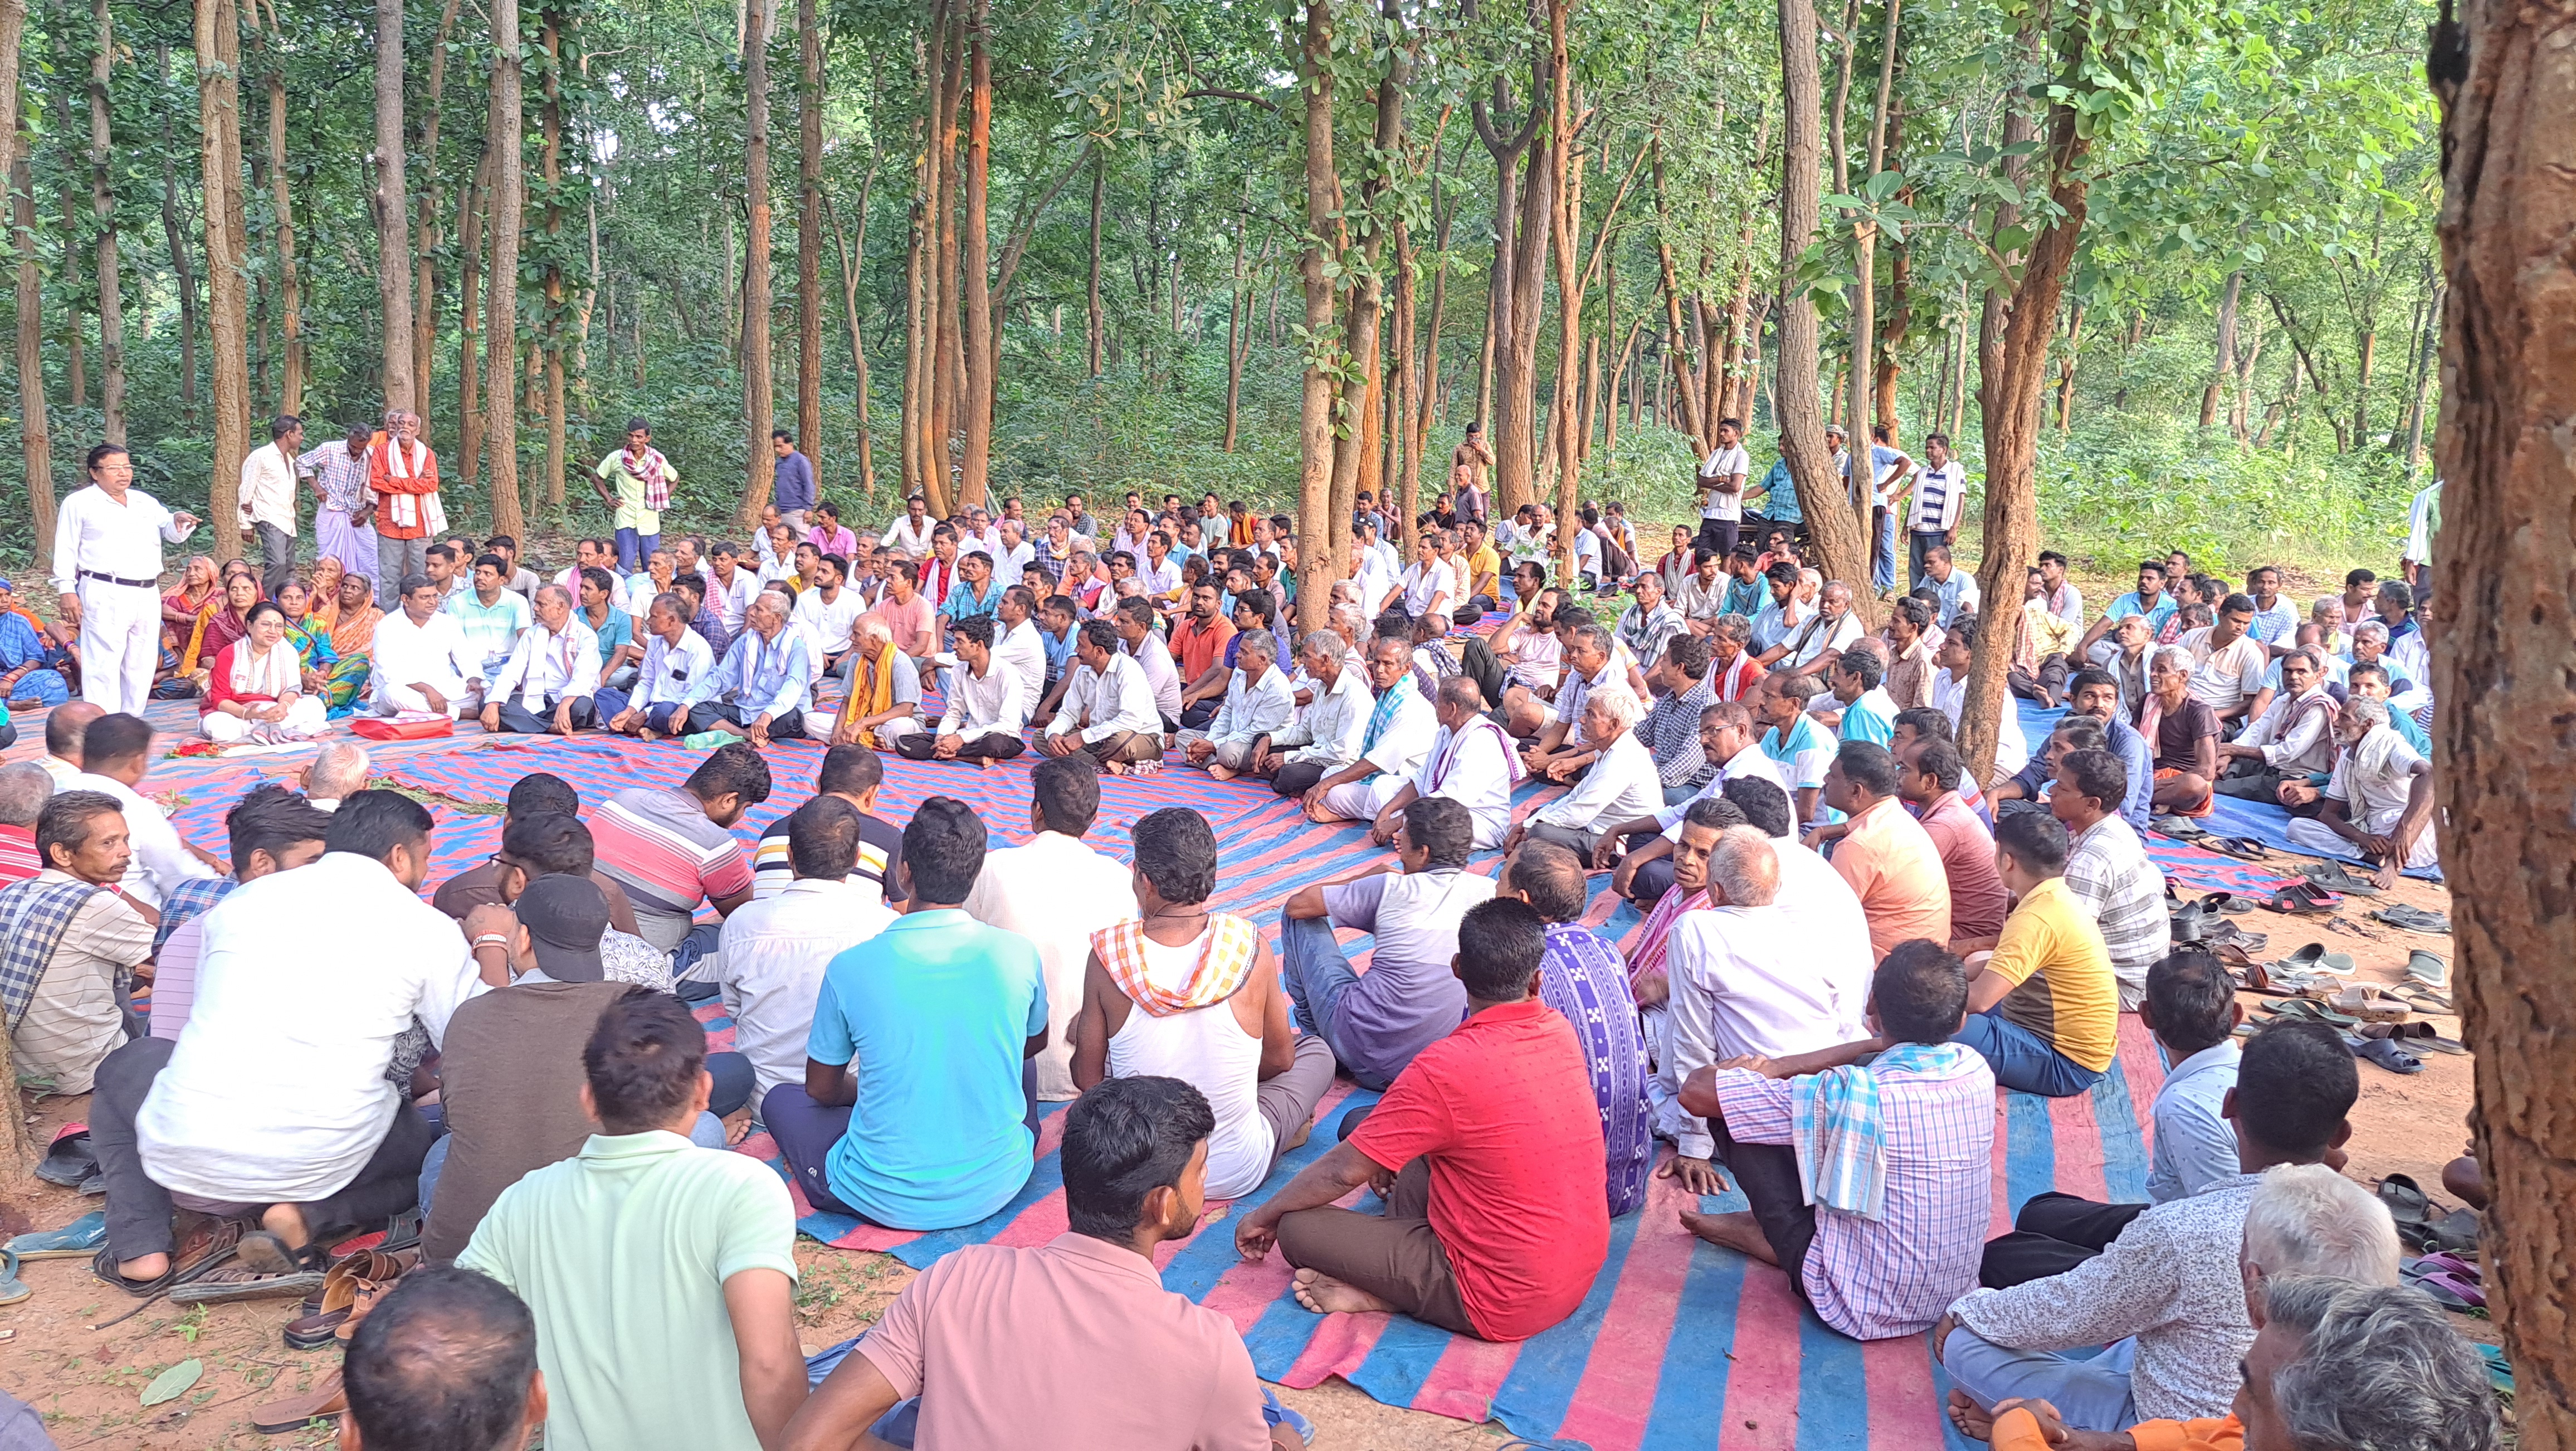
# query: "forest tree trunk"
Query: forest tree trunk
{"points": [[392, 206], [508, 194], [111, 300], [758, 397], [218, 47], [425, 227], [2225, 367], [1317, 566], [1799, 412], [975, 461], [35, 439], [809, 239], [550, 114]]}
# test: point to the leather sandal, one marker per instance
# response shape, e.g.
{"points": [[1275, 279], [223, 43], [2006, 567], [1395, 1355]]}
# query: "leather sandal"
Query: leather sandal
{"points": [[206, 1245], [341, 1290], [325, 1402]]}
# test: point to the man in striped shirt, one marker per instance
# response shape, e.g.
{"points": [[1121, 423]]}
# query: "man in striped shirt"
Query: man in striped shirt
{"points": [[669, 849], [1940, 489], [1892, 1272]]}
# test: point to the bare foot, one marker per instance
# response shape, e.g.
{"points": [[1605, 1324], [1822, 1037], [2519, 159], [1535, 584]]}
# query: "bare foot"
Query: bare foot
{"points": [[144, 1267], [736, 1125], [287, 1223], [1298, 1139], [1325, 1295], [1738, 1232], [1219, 772], [1116, 768]]}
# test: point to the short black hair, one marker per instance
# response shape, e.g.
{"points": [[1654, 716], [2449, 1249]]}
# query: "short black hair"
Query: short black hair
{"points": [[2192, 996], [1714, 812], [1939, 760], [1441, 826], [549, 844], [823, 839], [1927, 722], [1099, 634], [2294, 1085], [372, 823], [642, 1061], [2050, 556], [849, 770], [1763, 803], [271, 818], [2089, 676], [1123, 1140], [1552, 877], [1176, 851], [2097, 774], [1067, 790], [499, 565], [943, 848], [734, 770], [1501, 942], [541, 793], [1920, 991], [978, 628], [112, 738], [1690, 653], [1868, 765], [1861, 665], [2035, 839], [2236, 604], [65, 820], [442, 1363]]}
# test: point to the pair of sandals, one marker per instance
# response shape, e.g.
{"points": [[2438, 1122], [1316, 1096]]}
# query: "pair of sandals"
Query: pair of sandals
{"points": [[2453, 1283], [2413, 919], [2334, 876], [2304, 899], [2421, 1228], [350, 1289]]}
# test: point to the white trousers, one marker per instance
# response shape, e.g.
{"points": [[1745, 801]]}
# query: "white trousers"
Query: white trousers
{"points": [[306, 714], [119, 644], [392, 699], [1363, 800], [1234, 752]]}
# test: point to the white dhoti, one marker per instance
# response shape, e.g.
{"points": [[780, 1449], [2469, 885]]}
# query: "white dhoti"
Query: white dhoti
{"points": [[1363, 800], [2315, 836], [120, 643], [305, 716], [392, 699], [354, 545]]}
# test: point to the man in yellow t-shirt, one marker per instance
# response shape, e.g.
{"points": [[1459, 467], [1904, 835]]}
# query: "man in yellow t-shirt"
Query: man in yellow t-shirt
{"points": [[2045, 1011], [1480, 571]]}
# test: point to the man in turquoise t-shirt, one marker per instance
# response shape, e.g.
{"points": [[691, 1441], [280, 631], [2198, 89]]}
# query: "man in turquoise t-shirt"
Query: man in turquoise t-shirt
{"points": [[917, 1111]]}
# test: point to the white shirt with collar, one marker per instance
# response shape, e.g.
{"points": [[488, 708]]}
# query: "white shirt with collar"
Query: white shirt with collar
{"points": [[547, 665], [434, 652], [670, 672], [732, 600], [2304, 744], [1108, 701], [1826, 916], [268, 488], [1621, 786], [1741, 982], [982, 705], [1474, 771], [1426, 584], [1747, 762], [1055, 892], [1022, 648], [1161, 674], [1329, 731], [160, 861], [1254, 709], [123, 541], [827, 622], [903, 535], [775, 950], [1407, 738], [276, 1092]]}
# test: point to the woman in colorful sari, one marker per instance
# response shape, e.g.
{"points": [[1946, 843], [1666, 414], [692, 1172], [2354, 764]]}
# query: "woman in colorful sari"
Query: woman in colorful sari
{"points": [[179, 611], [353, 640], [310, 634], [323, 596], [224, 619]]}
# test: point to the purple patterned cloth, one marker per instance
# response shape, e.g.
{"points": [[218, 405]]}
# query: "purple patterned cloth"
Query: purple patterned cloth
{"points": [[1586, 980]]}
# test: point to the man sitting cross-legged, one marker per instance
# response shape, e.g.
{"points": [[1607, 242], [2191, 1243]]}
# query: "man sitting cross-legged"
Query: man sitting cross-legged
{"points": [[1587, 984], [1401, 727], [1900, 1154], [1055, 891], [1728, 739], [2044, 1008], [276, 1103], [1109, 708], [987, 705], [852, 773], [2109, 875], [1739, 980], [1407, 999], [676, 661], [1471, 761], [1191, 994], [539, 793], [916, 1111], [1074, 1343], [1487, 1151], [2378, 806], [672, 848], [552, 673], [765, 683], [2160, 1294], [1325, 736], [697, 1346], [775, 948], [1891, 862], [1256, 705], [70, 941]]}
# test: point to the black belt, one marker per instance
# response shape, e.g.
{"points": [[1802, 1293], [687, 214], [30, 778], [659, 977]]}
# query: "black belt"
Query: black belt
{"points": [[112, 579]]}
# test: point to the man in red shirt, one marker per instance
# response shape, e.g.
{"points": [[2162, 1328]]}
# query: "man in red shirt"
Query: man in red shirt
{"points": [[24, 790], [1488, 1151], [1198, 644]]}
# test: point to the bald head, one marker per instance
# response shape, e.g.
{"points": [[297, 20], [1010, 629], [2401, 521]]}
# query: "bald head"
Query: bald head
{"points": [[65, 727]]}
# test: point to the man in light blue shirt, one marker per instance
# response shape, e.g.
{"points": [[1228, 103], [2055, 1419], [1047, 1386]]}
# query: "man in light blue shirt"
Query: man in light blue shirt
{"points": [[2191, 1008], [764, 684], [2097, 693], [918, 1109], [2275, 619], [1957, 587], [490, 615]]}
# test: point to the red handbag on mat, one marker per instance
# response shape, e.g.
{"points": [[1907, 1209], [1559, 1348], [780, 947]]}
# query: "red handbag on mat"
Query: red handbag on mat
{"points": [[423, 728]]}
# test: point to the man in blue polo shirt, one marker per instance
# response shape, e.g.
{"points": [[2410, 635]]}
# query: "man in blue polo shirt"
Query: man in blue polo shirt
{"points": [[916, 1111]]}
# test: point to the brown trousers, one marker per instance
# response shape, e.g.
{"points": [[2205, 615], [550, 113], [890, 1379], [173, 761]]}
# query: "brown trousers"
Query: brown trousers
{"points": [[1129, 746], [1394, 1256]]}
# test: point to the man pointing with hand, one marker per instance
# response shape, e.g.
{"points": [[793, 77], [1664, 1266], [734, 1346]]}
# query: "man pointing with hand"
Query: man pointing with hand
{"points": [[107, 568]]}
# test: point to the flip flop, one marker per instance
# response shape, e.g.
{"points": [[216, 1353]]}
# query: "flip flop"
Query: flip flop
{"points": [[2429, 968], [2407, 1203], [2227, 902], [2457, 1231], [2385, 1053], [211, 1244], [2180, 828], [68, 1160], [2244, 848], [2189, 923], [2303, 899], [325, 1402], [2334, 876], [2314, 958], [2311, 1010], [76, 1240], [12, 1289], [2447, 1290], [2413, 919]]}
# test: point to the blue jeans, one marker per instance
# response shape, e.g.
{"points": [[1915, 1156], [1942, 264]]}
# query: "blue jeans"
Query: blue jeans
{"points": [[1918, 543], [2090, 1394], [1882, 568], [1317, 974], [2022, 1059], [634, 550]]}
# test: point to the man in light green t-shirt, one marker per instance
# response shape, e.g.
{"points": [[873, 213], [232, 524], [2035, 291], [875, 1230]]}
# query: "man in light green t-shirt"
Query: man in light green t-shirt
{"points": [[643, 480], [662, 1275]]}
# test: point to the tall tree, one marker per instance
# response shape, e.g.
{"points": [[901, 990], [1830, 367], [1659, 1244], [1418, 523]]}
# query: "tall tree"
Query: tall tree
{"points": [[290, 398], [1318, 565], [218, 46], [551, 23], [809, 240], [35, 440], [2504, 570], [505, 138], [759, 401], [111, 301], [976, 260], [392, 204], [1864, 318], [427, 238], [1821, 494]]}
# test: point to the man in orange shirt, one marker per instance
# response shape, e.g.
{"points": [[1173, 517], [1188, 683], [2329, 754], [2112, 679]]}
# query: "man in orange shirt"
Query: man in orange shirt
{"points": [[1892, 864], [402, 480], [1198, 643]]}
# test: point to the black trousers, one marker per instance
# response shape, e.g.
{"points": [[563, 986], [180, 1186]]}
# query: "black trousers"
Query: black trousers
{"points": [[787, 727], [1768, 1175], [1479, 663], [2052, 677], [993, 746], [517, 719], [2053, 1234], [1296, 779], [1719, 534], [1196, 717]]}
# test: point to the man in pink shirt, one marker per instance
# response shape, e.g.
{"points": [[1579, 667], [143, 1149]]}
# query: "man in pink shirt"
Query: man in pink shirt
{"points": [[1928, 776], [1073, 1344], [1888, 858], [910, 618]]}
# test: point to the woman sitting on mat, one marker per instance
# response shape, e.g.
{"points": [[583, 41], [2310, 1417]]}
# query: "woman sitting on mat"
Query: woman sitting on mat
{"points": [[258, 680]]}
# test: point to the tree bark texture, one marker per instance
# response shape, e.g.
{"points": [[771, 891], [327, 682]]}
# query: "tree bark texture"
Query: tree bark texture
{"points": [[426, 236], [182, 271], [809, 239], [2504, 652], [218, 46], [2224, 368], [550, 122], [392, 205], [1318, 564], [508, 192], [111, 301], [35, 438], [1799, 411], [758, 396], [975, 263]]}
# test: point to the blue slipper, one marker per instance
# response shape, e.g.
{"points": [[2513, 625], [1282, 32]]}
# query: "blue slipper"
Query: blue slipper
{"points": [[12, 1289], [76, 1240], [1275, 1412]]}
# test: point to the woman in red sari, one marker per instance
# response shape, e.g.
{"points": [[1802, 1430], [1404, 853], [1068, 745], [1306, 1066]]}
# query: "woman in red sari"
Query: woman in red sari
{"points": [[225, 618]]}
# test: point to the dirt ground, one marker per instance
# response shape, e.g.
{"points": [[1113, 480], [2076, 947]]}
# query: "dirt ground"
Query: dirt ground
{"points": [[87, 1382]]}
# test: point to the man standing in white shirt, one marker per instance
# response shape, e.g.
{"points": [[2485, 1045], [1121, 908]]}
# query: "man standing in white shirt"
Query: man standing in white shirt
{"points": [[107, 574], [551, 675], [776, 947], [1109, 708], [1940, 493], [1721, 488], [268, 500], [422, 662], [1056, 892], [987, 706]]}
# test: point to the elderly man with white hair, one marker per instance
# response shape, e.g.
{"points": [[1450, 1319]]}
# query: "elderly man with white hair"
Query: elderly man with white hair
{"points": [[765, 683], [1621, 784], [547, 683], [337, 771], [1397, 735], [2159, 1292], [1471, 761], [1257, 702], [2378, 806]]}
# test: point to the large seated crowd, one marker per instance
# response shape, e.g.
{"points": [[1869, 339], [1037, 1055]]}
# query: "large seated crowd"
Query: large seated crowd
{"points": [[1849, 940]]}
